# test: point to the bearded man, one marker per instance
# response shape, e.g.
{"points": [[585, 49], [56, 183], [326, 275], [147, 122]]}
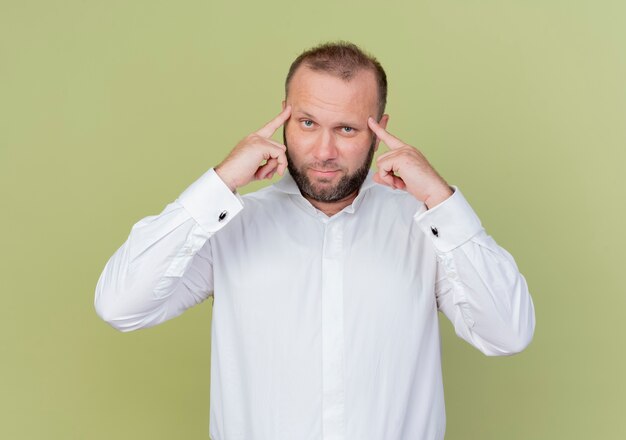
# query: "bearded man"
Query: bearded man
{"points": [[327, 284]]}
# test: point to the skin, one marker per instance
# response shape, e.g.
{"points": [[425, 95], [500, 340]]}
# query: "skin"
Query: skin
{"points": [[330, 127]]}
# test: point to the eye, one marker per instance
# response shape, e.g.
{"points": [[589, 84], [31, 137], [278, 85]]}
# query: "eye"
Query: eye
{"points": [[307, 123], [348, 129]]}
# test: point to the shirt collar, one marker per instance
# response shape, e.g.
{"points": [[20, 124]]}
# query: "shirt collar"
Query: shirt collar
{"points": [[288, 186]]}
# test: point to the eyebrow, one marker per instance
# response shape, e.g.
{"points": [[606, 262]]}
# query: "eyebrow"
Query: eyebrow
{"points": [[342, 124]]}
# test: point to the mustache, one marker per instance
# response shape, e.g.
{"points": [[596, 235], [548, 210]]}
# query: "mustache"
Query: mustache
{"points": [[327, 165]]}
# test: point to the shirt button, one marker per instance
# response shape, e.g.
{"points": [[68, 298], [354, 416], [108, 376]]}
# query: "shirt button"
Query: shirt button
{"points": [[434, 231], [222, 216]]}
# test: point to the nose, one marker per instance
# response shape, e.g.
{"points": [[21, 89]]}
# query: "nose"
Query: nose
{"points": [[325, 147]]}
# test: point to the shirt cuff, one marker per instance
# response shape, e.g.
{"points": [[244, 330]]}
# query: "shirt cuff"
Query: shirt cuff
{"points": [[451, 223], [210, 202]]}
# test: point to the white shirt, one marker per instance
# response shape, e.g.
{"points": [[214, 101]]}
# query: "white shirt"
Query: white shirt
{"points": [[323, 327]]}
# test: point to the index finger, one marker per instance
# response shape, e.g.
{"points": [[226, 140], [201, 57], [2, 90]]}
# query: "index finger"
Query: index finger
{"points": [[390, 140], [269, 128]]}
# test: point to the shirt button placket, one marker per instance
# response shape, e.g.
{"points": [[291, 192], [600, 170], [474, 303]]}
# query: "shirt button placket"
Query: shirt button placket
{"points": [[333, 373]]}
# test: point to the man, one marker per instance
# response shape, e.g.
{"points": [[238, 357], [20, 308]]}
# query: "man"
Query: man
{"points": [[326, 284]]}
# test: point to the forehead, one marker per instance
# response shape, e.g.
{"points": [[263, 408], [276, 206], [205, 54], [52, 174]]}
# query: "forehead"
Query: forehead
{"points": [[329, 96]]}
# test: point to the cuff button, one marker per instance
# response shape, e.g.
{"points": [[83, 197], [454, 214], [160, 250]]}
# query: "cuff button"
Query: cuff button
{"points": [[222, 216], [434, 231]]}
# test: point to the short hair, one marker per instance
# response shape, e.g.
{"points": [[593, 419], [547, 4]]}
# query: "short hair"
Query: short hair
{"points": [[343, 60]]}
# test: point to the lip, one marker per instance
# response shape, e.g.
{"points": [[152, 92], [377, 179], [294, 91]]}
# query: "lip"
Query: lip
{"points": [[324, 173]]}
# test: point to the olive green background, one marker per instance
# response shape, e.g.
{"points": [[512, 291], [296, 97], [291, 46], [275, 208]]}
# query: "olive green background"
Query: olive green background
{"points": [[110, 109]]}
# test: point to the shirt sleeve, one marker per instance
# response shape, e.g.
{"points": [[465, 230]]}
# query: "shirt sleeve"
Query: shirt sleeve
{"points": [[479, 287], [165, 265]]}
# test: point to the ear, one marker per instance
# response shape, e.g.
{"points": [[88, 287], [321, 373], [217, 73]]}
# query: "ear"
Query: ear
{"points": [[383, 123]]}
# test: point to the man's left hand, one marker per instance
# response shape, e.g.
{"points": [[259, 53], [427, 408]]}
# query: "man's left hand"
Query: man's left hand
{"points": [[405, 167]]}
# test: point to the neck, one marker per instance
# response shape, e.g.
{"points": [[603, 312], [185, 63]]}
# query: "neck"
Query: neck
{"points": [[332, 208]]}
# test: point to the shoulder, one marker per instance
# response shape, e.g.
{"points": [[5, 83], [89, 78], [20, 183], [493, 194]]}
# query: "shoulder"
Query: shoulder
{"points": [[394, 201], [265, 198]]}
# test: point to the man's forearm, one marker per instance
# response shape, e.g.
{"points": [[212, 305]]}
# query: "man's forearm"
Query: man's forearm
{"points": [[145, 282]]}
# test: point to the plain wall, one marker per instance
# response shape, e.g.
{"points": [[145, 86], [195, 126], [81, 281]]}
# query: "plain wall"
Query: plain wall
{"points": [[110, 109]]}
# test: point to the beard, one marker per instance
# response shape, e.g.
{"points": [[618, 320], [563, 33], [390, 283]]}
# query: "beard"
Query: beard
{"points": [[347, 185]]}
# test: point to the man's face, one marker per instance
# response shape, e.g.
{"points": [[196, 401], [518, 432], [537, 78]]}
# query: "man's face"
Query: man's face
{"points": [[329, 144]]}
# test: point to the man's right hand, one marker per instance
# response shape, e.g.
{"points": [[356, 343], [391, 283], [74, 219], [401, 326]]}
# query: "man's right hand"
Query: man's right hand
{"points": [[245, 162]]}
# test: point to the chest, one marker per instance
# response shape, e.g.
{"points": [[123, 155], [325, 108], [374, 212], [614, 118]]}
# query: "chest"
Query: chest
{"points": [[292, 261]]}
